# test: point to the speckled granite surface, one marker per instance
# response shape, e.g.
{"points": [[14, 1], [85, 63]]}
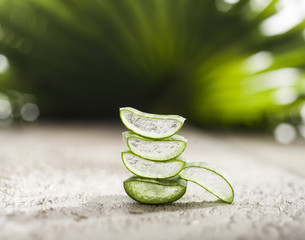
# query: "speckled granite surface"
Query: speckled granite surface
{"points": [[65, 182]]}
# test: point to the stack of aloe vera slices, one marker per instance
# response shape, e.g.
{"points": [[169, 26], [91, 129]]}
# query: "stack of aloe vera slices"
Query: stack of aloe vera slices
{"points": [[160, 174]]}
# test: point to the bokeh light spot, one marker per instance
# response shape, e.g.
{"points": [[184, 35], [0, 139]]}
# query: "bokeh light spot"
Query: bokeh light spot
{"points": [[302, 130], [285, 133], [284, 77], [290, 14], [258, 62], [302, 112], [232, 1], [285, 95], [29, 112], [259, 5], [5, 109], [223, 6], [3, 63]]}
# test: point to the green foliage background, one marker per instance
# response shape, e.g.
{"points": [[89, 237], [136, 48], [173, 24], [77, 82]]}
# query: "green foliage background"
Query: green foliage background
{"points": [[87, 58]]}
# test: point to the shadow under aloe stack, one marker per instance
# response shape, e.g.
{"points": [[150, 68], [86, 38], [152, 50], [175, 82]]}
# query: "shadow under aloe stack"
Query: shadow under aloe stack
{"points": [[160, 174]]}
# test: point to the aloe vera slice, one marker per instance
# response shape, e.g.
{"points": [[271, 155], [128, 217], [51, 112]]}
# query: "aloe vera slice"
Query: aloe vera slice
{"points": [[151, 169], [158, 150], [210, 179], [152, 191], [150, 125]]}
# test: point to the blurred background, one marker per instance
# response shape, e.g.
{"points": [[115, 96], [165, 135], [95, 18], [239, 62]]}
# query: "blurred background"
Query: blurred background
{"points": [[222, 64]]}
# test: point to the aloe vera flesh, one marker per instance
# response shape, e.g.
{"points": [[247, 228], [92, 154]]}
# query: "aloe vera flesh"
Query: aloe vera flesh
{"points": [[151, 125], [151, 169], [210, 178], [158, 150], [150, 191]]}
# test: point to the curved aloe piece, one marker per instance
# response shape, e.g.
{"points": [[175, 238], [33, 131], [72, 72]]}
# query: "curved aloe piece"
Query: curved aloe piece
{"points": [[157, 150], [210, 179], [151, 191], [150, 125], [151, 169]]}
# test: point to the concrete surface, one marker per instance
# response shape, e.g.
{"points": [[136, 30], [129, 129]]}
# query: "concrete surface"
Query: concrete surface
{"points": [[65, 182]]}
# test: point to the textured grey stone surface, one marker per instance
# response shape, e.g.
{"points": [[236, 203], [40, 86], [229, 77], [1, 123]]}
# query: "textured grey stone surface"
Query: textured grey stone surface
{"points": [[65, 182]]}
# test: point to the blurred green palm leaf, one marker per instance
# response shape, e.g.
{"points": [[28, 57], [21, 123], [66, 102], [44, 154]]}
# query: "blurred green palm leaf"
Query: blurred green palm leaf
{"points": [[197, 58]]}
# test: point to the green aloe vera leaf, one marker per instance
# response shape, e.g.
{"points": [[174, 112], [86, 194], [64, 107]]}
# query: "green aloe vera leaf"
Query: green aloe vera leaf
{"points": [[152, 191], [150, 125], [158, 150], [150, 168], [210, 178]]}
